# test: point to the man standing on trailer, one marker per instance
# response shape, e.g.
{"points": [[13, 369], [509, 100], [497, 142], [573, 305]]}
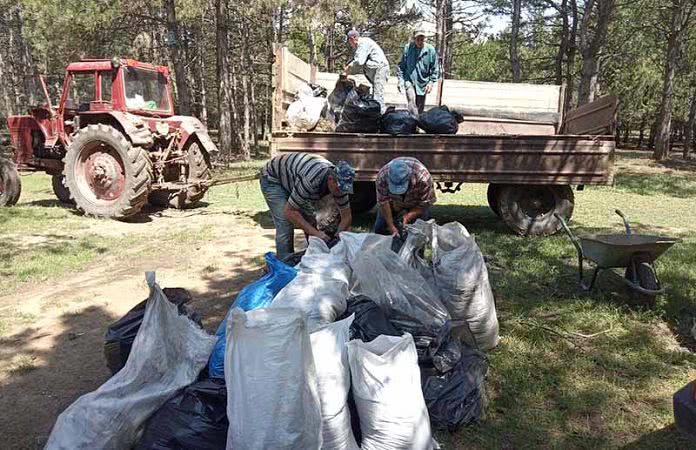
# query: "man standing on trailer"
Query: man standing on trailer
{"points": [[293, 183], [405, 192], [369, 59], [417, 72]]}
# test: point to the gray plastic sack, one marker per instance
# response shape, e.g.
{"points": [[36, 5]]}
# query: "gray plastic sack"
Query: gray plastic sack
{"points": [[168, 354], [387, 393], [412, 305], [461, 276], [320, 290], [272, 395], [333, 375]]}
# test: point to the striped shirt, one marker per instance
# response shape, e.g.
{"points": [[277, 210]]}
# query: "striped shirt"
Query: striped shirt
{"points": [[420, 193], [305, 177]]}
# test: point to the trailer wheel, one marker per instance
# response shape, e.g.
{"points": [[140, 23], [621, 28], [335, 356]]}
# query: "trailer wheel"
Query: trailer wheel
{"points": [[529, 210], [199, 169], [364, 197], [10, 184], [493, 192], [105, 174], [61, 191]]}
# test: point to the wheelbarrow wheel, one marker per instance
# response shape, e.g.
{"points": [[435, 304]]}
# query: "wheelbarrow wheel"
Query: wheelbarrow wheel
{"points": [[642, 274]]}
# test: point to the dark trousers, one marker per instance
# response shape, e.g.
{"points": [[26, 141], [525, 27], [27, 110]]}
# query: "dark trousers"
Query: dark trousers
{"points": [[381, 224]]}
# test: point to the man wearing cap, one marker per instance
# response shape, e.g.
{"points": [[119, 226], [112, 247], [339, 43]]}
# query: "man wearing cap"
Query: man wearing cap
{"points": [[293, 183], [405, 193], [369, 59], [417, 72]]}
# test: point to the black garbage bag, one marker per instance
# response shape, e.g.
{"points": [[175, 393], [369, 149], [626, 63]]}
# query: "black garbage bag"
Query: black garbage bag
{"points": [[194, 418], [338, 97], [439, 120], [447, 355], [396, 122], [370, 320], [456, 398], [684, 404], [361, 114], [293, 259], [121, 334]]}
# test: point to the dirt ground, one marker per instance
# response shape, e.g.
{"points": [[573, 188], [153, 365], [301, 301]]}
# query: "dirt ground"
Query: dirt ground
{"points": [[47, 363]]}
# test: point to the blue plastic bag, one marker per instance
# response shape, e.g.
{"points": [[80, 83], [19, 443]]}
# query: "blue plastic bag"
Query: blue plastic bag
{"points": [[258, 294]]}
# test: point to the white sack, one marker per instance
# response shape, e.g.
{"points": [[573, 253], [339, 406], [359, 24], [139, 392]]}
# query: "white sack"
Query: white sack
{"points": [[304, 113], [320, 290], [410, 302], [168, 353], [333, 375], [388, 396], [272, 395], [462, 279]]}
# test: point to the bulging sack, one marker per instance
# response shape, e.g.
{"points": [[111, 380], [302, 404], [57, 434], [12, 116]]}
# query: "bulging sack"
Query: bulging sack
{"points": [[333, 375], [397, 122], [258, 294], [439, 120], [462, 278], [388, 396], [304, 113], [272, 395], [168, 353], [361, 114]]}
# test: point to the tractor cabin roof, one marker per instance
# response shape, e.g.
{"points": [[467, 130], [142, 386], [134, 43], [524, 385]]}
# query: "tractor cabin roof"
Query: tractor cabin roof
{"points": [[90, 65]]}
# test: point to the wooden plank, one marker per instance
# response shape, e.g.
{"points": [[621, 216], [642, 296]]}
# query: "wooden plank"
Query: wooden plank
{"points": [[597, 117], [499, 159], [488, 126], [278, 87]]}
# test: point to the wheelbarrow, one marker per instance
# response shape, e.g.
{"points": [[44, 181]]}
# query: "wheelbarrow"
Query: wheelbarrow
{"points": [[634, 252]]}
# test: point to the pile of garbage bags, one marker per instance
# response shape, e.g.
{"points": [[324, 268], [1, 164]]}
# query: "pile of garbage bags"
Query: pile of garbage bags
{"points": [[356, 346]]}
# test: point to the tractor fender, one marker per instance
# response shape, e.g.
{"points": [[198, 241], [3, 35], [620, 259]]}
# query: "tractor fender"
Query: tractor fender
{"points": [[135, 129], [192, 128]]}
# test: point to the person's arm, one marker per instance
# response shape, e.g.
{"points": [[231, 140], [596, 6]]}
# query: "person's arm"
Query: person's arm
{"points": [[385, 208], [346, 219], [412, 214], [435, 72], [360, 56], [295, 216], [401, 68]]}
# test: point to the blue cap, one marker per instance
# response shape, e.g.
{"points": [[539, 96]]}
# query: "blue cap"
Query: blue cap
{"points": [[398, 176], [345, 174]]}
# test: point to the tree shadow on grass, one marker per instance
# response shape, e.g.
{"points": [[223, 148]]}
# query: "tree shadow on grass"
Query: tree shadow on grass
{"points": [[656, 184]]}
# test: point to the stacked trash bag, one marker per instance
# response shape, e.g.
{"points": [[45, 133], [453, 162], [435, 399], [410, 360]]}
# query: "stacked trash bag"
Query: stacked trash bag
{"points": [[352, 109], [355, 346]]}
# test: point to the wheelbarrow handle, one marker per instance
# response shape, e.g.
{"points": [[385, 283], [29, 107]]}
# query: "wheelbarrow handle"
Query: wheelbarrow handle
{"points": [[576, 242], [625, 221], [570, 234]]}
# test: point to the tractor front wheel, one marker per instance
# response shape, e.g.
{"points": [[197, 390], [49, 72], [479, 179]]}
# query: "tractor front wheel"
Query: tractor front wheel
{"points": [[61, 191], [105, 174], [10, 185]]}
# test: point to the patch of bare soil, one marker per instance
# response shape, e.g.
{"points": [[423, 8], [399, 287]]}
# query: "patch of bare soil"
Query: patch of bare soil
{"points": [[50, 360]]}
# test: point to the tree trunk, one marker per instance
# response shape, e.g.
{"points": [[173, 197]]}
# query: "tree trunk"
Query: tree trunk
{"points": [[312, 46], [641, 135], [690, 123], [515, 31], [591, 45], [179, 63], [570, 59], [224, 85], [563, 45], [443, 35], [203, 69], [674, 42], [16, 63]]}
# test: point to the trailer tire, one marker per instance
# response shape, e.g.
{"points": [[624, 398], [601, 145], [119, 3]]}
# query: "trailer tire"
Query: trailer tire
{"points": [[493, 193], [529, 209], [106, 175], [61, 190], [10, 184], [364, 197]]}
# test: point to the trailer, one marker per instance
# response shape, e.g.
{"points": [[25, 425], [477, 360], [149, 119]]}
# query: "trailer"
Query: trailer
{"points": [[514, 137]]}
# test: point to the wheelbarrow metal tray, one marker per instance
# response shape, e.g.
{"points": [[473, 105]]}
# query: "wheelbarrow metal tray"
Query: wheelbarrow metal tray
{"points": [[616, 250]]}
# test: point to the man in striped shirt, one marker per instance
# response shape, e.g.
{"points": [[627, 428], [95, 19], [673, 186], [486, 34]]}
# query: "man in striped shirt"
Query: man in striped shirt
{"points": [[292, 184], [405, 193]]}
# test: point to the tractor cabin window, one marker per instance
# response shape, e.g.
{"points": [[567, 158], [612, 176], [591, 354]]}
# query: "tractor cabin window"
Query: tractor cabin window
{"points": [[106, 82], [82, 91], [146, 90]]}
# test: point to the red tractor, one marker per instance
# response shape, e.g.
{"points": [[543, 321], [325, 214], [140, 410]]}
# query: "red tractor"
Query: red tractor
{"points": [[113, 143]]}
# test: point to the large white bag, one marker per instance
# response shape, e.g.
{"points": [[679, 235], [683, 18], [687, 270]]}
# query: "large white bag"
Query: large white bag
{"points": [[333, 374], [388, 396], [168, 353], [272, 395], [462, 278], [320, 290], [304, 113]]}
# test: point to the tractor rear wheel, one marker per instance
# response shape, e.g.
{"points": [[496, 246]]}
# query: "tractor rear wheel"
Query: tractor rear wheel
{"points": [[199, 169], [61, 191], [529, 210], [10, 185], [105, 174]]}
